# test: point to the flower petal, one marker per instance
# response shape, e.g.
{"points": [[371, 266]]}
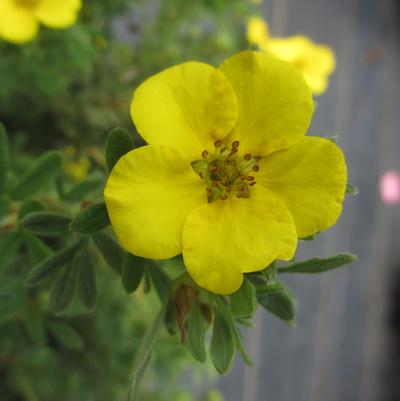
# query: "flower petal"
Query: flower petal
{"points": [[224, 239], [316, 62], [275, 102], [310, 178], [17, 24], [149, 194], [58, 13], [187, 107]]}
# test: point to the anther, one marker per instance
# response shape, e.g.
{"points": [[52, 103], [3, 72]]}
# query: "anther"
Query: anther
{"points": [[224, 197], [204, 154], [239, 195], [250, 178], [252, 183], [235, 144], [218, 143], [228, 188], [256, 167], [247, 156]]}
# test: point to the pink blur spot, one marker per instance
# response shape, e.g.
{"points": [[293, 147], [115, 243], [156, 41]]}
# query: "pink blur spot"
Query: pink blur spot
{"points": [[390, 187]]}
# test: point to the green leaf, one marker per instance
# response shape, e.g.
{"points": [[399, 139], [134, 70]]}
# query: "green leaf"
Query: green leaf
{"points": [[66, 335], [170, 320], [237, 335], [132, 272], [243, 301], [43, 171], [222, 343], [52, 264], [238, 340], [351, 190], [80, 191], [118, 143], [87, 286], [90, 220], [64, 288], [4, 206], [309, 238], [4, 159], [319, 265], [29, 206], [144, 352], [111, 251], [277, 299], [9, 245], [46, 223], [196, 333], [37, 249], [161, 281], [35, 328]]}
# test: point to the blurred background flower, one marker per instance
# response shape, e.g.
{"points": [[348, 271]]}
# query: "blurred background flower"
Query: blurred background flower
{"points": [[315, 62], [20, 19]]}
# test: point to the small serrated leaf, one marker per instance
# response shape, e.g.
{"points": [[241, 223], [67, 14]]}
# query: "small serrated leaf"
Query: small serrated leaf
{"points": [[118, 143], [90, 220], [42, 171]]}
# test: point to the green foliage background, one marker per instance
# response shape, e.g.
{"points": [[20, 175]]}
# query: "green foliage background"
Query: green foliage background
{"points": [[69, 88]]}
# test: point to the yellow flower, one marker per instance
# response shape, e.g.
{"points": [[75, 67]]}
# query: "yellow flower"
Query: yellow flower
{"points": [[77, 167], [20, 19], [228, 178], [315, 62]]}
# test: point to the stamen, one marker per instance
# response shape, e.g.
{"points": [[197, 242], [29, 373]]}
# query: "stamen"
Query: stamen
{"points": [[225, 172]]}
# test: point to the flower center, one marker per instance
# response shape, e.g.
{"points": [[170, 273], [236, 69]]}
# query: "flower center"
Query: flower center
{"points": [[226, 172], [30, 4]]}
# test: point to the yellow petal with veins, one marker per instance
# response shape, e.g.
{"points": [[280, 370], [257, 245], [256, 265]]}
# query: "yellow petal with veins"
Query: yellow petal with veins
{"points": [[224, 239], [275, 102], [187, 107], [310, 179], [149, 194]]}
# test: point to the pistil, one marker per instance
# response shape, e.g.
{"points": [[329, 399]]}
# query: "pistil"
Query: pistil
{"points": [[225, 172]]}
